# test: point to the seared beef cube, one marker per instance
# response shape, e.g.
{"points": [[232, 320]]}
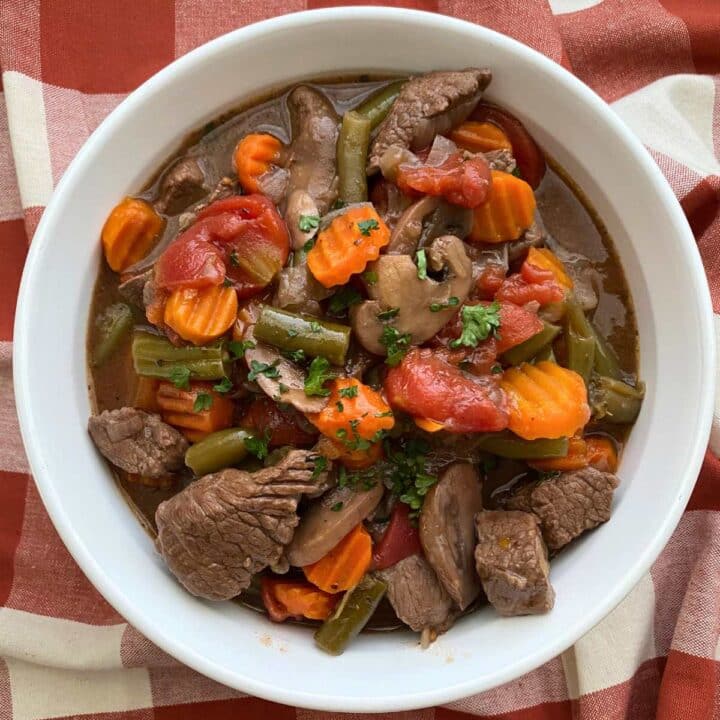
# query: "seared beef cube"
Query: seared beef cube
{"points": [[138, 442], [511, 560], [567, 504]]}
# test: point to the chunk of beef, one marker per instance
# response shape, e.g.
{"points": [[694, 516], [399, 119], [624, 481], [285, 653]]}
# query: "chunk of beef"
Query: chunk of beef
{"points": [[132, 286], [511, 560], [315, 129], [567, 504], [418, 597], [138, 442], [222, 529], [428, 105], [181, 185]]}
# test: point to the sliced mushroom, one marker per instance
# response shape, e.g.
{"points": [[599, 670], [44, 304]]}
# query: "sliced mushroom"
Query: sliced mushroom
{"points": [[446, 219], [299, 291], [315, 129], [181, 185], [328, 520], [299, 204], [289, 384], [406, 235], [398, 286], [447, 531]]}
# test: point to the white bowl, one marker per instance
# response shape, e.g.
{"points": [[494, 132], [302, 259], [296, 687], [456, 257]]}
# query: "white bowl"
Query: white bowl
{"points": [[386, 671]]}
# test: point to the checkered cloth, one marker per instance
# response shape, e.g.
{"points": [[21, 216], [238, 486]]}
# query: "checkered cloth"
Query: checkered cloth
{"points": [[64, 652]]}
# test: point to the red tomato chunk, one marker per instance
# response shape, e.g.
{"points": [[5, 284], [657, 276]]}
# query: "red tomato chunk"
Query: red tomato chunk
{"points": [[400, 540]]}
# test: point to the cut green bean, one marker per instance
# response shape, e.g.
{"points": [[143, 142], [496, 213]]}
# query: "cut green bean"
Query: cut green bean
{"points": [[218, 450], [532, 346], [352, 150], [579, 341], [508, 445], [112, 324], [376, 107], [291, 332], [351, 616], [615, 401], [606, 362], [547, 353], [155, 356]]}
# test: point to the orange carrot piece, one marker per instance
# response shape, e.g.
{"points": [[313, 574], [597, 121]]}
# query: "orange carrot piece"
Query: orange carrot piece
{"points": [[354, 412], [344, 566], [428, 425], [545, 400], [130, 232], [508, 211], [480, 137], [351, 241], [201, 315], [546, 259], [602, 453], [146, 394], [293, 598], [359, 459], [253, 156], [576, 458], [177, 408]]}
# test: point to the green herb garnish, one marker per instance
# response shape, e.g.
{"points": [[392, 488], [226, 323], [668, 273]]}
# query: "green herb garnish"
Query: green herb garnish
{"points": [[258, 446], [479, 323], [238, 348], [340, 407], [451, 302], [408, 478], [421, 261], [367, 226], [317, 376], [234, 258], [309, 245], [349, 392], [224, 386], [315, 326], [320, 466], [343, 299], [180, 377], [260, 368], [370, 277], [388, 314], [203, 401], [296, 356], [308, 222], [396, 343], [227, 282], [337, 507]]}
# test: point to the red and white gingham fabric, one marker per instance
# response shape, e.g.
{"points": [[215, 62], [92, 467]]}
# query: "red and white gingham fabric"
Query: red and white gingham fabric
{"points": [[64, 652]]}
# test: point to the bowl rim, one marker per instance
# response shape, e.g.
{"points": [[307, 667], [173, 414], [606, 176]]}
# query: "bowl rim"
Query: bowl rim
{"points": [[114, 593]]}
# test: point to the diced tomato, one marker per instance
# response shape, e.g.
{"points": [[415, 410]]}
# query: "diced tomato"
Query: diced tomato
{"points": [[400, 540], [519, 290], [462, 403], [241, 238], [460, 182], [489, 281], [528, 155], [284, 426]]}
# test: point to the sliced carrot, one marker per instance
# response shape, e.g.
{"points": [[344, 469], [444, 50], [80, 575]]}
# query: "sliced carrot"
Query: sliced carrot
{"points": [[602, 453], [178, 408], [253, 156], [480, 137], [130, 232], [546, 259], [292, 598], [146, 394], [576, 458], [359, 459], [344, 566], [508, 211], [428, 425], [201, 315], [351, 241], [545, 400]]}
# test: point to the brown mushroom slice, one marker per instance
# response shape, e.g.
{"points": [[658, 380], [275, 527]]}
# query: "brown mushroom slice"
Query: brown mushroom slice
{"points": [[289, 384], [406, 235], [447, 531], [398, 286], [299, 204], [328, 520], [315, 129]]}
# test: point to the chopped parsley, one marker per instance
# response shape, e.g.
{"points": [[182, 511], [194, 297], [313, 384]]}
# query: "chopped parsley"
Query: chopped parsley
{"points": [[337, 507], [283, 388], [261, 368], [309, 245], [317, 376], [367, 226], [308, 222], [451, 302], [388, 314], [496, 369], [234, 258], [370, 277], [479, 322], [180, 377], [238, 348], [227, 282], [389, 413], [321, 464], [203, 401], [224, 386], [292, 332], [315, 326], [340, 407], [258, 446], [349, 392], [343, 299], [409, 479], [338, 205], [296, 356], [548, 475], [396, 343], [516, 172], [421, 261], [365, 479]]}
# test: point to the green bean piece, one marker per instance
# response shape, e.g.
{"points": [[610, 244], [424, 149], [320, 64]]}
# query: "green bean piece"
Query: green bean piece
{"points": [[352, 150], [156, 356], [112, 324], [547, 353], [376, 107], [532, 346], [351, 616], [606, 362], [508, 445], [316, 338], [218, 450], [579, 341], [615, 401]]}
